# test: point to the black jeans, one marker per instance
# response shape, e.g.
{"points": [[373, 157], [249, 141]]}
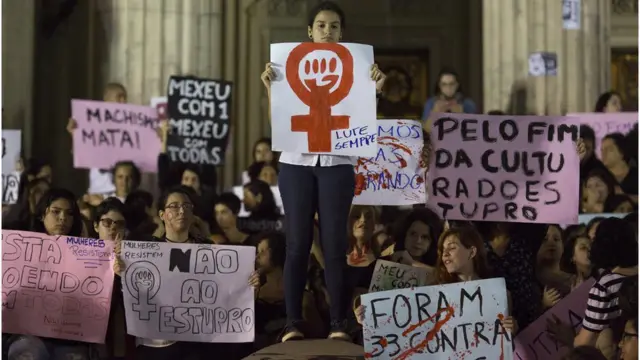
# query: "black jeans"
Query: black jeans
{"points": [[329, 191]]}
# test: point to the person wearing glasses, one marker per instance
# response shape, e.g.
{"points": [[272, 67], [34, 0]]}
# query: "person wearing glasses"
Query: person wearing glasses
{"points": [[629, 343], [448, 98], [110, 224], [176, 210]]}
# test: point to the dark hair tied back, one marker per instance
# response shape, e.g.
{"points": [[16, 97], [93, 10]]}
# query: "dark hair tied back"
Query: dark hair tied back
{"points": [[327, 6]]}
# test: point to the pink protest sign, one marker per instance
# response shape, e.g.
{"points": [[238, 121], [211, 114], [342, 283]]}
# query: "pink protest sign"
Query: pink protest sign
{"points": [[504, 168], [112, 132], [56, 286], [606, 123], [534, 342]]}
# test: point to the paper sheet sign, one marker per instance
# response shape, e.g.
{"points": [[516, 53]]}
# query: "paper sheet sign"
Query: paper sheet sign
{"points": [[396, 175], [11, 148], [534, 342], [188, 292], [504, 168], [111, 132], [389, 275], [453, 321], [10, 187], [56, 286], [323, 99]]}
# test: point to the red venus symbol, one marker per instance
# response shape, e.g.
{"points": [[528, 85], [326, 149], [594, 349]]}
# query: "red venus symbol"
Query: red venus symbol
{"points": [[319, 123]]}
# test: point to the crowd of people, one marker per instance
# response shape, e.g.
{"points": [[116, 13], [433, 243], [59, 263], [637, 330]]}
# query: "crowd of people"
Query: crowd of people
{"points": [[311, 271]]}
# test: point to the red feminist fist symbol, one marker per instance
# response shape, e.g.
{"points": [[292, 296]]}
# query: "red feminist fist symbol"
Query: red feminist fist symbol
{"points": [[320, 76]]}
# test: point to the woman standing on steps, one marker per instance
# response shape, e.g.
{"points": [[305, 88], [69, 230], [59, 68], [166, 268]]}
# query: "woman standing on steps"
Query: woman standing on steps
{"points": [[322, 183]]}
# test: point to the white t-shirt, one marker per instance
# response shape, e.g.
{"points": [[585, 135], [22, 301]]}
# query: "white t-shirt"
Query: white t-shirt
{"points": [[153, 343], [100, 182], [312, 159]]}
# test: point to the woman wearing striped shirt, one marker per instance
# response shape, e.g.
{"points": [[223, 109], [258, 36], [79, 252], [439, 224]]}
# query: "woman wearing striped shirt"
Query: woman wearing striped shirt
{"points": [[615, 252]]}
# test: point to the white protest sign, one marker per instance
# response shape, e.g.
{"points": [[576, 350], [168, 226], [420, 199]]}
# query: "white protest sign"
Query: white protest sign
{"points": [[389, 275], [323, 99], [101, 182], [11, 148], [188, 292], [438, 322], [395, 176], [10, 187]]}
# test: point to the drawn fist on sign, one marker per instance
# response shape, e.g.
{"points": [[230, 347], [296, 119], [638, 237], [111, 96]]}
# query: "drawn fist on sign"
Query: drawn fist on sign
{"points": [[323, 72]]}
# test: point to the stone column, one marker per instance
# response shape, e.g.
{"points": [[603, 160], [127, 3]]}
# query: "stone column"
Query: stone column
{"points": [[513, 29], [246, 50], [150, 40], [18, 39]]}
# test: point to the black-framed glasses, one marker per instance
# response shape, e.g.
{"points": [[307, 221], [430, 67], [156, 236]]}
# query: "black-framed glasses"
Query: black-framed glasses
{"points": [[186, 207], [106, 222], [626, 336]]}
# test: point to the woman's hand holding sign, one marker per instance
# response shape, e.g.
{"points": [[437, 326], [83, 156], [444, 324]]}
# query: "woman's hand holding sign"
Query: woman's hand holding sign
{"points": [[118, 263], [378, 76], [582, 149], [550, 297], [359, 313], [268, 75], [510, 324], [71, 126]]}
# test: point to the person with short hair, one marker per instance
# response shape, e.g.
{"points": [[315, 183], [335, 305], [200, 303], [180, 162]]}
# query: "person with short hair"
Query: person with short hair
{"points": [[226, 209]]}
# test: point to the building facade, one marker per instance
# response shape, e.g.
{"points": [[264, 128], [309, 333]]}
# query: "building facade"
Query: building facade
{"points": [[57, 50]]}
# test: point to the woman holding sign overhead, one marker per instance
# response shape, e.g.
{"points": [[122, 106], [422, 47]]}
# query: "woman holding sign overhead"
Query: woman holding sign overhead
{"points": [[322, 183]]}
